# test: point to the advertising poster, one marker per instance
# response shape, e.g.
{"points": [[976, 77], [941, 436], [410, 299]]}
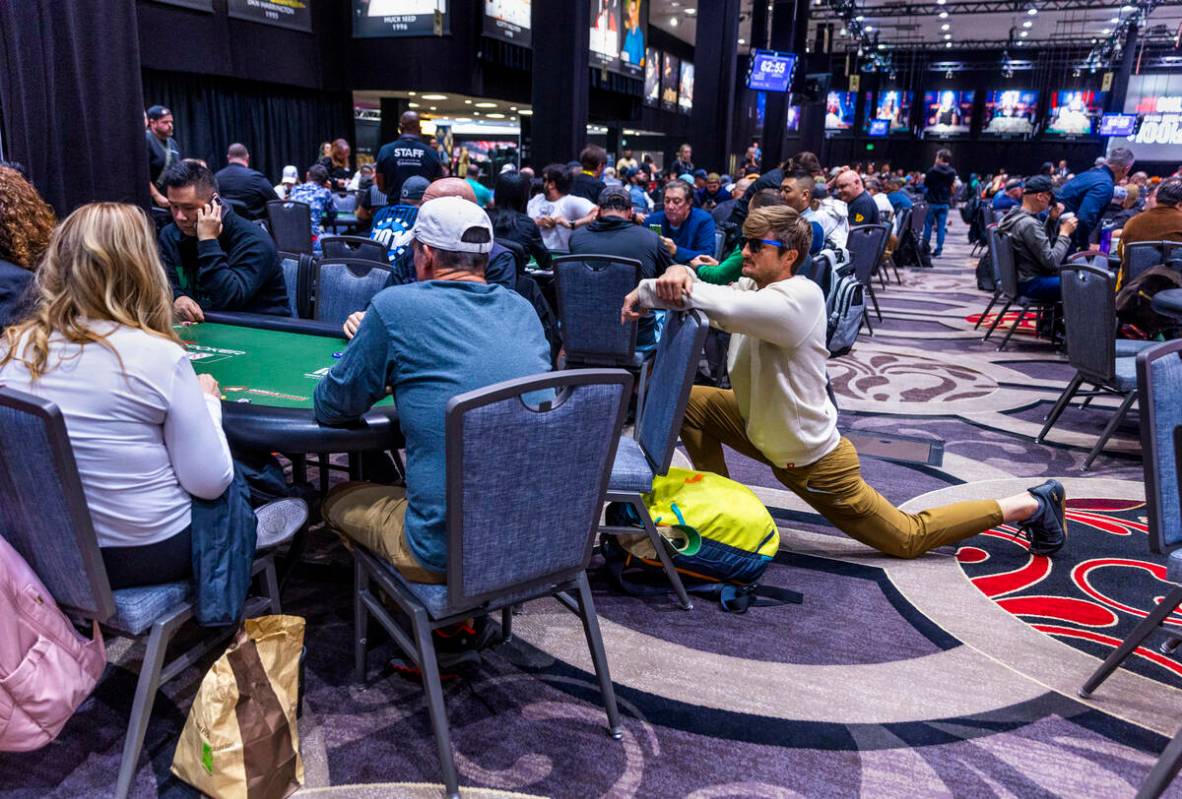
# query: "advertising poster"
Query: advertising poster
{"points": [[632, 52], [685, 95], [293, 14], [508, 20], [670, 80], [375, 19], [652, 77], [606, 24], [1157, 100]]}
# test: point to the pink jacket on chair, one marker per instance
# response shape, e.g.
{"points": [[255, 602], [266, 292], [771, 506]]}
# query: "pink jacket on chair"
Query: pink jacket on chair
{"points": [[46, 668]]}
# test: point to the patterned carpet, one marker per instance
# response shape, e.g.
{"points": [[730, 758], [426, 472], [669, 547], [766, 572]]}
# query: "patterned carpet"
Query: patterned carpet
{"points": [[954, 674]]}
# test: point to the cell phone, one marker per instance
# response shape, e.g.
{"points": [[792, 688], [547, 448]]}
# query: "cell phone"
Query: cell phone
{"points": [[655, 229], [216, 199]]}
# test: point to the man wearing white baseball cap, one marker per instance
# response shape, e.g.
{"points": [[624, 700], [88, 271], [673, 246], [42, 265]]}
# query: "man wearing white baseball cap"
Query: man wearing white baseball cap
{"points": [[291, 176], [448, 333]]}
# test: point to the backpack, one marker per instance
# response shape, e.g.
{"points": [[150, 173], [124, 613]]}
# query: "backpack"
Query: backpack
{"points": [[845, 308], [46, 668], [985, 280], [722, 536], [1134, 302]]}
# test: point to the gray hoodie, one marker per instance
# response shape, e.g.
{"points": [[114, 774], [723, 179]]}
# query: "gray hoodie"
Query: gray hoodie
{"points": [[1034, 255]]}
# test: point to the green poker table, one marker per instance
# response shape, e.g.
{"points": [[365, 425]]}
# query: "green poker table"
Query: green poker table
{"points": [[268, 368]]}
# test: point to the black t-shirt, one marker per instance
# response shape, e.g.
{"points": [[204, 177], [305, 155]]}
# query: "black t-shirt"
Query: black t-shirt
{"points": [[158, 156], [587, 186], [405, 157], [339, 175], [248, 187], [863, 211]]}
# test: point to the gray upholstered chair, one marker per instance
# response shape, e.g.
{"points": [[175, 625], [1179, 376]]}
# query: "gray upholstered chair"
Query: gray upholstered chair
{"points": [[649, 453], [1159, 383], [358, 248], [866, 244], [1089, 310], [1007, 272], [591, 291], [297, 279], [291, 225], [509, 540], [1142, 255], [45, 518], [346, 285], [991, 242]]}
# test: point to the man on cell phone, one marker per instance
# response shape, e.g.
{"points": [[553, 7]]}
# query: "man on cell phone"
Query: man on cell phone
{"points": [[215, 259]]}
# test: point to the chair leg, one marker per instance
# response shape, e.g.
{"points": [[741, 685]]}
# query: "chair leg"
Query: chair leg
{"points": [[1060, 404], [997, 319], [506, 623], [881, 277], [435, 706], [1108, 431], [598, 655], [895, 266], [1088, 399], [271, 580], [640, 389], [660, 546], [988, 308], [874, 299], [1017, 324], [360, 619], [145, 697], [1163, 771], [866, 322], [1139, 634]]}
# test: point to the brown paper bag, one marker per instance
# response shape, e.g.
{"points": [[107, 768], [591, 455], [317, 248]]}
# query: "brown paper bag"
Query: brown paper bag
{"points": [[241, 739]]}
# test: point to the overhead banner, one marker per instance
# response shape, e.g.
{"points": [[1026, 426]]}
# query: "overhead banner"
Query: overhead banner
{"points": [[196, 5], [508, 20], [377, 19], [293, 14]]}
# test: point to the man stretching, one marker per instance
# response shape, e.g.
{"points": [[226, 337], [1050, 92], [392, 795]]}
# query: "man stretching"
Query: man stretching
{"points": [[778, 411]]}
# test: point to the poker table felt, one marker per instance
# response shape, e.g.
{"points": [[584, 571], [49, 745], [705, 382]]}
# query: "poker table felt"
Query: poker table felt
{"points": [[268, 369]]}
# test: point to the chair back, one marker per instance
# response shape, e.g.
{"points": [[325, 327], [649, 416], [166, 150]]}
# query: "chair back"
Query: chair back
{"points": [[1007, 268], [297, 279], [919, 215], [358, 248], [345, 202], [1142, 256], [866, 244], [1159, 384], [499, 439], [719, 243], [991, 237], [995, 215], [902, 221], [591, 291], [43, 514], [818, 270], [291, 225], [345, 285], [1089, 313], [674, 367]]}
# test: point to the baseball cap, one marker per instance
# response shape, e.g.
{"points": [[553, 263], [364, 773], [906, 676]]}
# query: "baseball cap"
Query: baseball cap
{"points": [[413, 187], [1039, 184], [688, 178], [699, 173], [157, 111], [713, 177], [1013, 183], [454, 224], [615, 197], [290, 174]]}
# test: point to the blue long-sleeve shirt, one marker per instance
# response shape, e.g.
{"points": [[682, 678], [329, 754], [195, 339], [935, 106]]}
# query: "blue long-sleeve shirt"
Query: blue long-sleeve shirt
{"points": [[429, 342], [695, 236], [1087, 195]]}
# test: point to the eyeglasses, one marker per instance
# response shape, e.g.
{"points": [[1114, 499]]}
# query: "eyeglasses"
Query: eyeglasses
{"points": [[755, 245]]}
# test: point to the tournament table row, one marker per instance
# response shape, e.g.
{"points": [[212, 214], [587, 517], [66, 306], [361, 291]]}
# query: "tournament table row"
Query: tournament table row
{"points": [[268, 368]]}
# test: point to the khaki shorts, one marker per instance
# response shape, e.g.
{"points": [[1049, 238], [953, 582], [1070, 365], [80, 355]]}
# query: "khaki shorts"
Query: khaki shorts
{"points": [[374, 516]]}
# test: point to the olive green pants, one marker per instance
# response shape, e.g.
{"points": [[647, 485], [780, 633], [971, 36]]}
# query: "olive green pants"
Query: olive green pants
{"points": [[833, 485], [374, 516]]}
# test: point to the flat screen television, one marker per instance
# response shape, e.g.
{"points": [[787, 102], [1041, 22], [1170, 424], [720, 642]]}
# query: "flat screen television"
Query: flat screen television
{"points": [[839, 111], [793, 123], [891, 106], [1010, 112], [947, 113], [1075, 112], [1118, 125], [878, 127], [771, 71]]}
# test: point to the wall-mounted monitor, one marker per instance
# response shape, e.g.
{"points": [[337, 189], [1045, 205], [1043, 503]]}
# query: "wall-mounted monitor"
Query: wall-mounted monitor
{"points": [[508, 20], [891, 106], [685, 93], [839, 111], [947, 113], [652, 77], [878, 128], [793, 118], [1010, 112], [1118, 125], [633, 56], [396, 18], [670, 80], [1156, 99], [605, 33], [1075, 112], [771, 71]]}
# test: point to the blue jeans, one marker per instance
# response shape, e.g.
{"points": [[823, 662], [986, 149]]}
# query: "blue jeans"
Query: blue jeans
{"points": [[938, 214], [1047, 288]]}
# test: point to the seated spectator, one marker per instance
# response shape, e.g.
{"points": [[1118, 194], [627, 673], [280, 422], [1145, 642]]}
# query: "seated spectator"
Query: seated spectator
{"points": [[861, 208], [1037, 260], [712, 193], [731, 269], [1126, 203], [291, 176], [26, 223], [215, 259], [614, 233], [796, 191], [831, 214], [491, 334], [556, 211], [145, 430], [483, 195], [586, 181], [886, 211], [1010, 197], [609, 177], [898, 198], [1162, 222], [362, 179], [642, 203], [316, 193], [722, 212], [687, 231], [511, 222], [779, 411], [393, 223], [238, 182], [336, 165]]}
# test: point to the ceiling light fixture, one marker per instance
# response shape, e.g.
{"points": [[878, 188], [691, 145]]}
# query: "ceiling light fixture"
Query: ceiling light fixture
{"points": [[673, 21], [434, 96], [1023, 34], [412, 105], [869, 28], [943, 15], [945, 26], [844, 32], [1114, 20], [742, 41], [526, 112], [1032, 11], [495, 116], [948, 44], [486, 104], [1127, 8], [947, 36], [1027, 24], [691, 11], [860, 17]]}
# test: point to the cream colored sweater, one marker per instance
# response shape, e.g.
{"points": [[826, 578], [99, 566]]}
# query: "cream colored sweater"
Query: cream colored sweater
{"points": [[777, 362]]}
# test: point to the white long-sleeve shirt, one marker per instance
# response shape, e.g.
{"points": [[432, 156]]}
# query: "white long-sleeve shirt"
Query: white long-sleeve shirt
{"points": [[144, 435], [777, 362]]}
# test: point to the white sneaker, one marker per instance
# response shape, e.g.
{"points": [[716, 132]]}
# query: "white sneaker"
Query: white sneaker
{"points": [[279, 521]]}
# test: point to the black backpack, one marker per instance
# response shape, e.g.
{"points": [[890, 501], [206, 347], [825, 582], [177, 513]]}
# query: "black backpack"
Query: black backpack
{"points": [[1134, 302], [985, 273]]}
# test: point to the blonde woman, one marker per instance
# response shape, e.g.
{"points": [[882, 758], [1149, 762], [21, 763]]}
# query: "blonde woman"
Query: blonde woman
{"points": [[145, 429]]}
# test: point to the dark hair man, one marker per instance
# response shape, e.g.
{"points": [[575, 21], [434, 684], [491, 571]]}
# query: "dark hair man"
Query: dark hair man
{"points": [[712, 192], [1036, 258], [614, 233], [1089, 193], [586, 182], [163, 151], [215, 259], [491, 334], [687, 231], [238, 182], [405, 156], [556, 210], [778, 411], [1162, 222], [937, 183]]}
